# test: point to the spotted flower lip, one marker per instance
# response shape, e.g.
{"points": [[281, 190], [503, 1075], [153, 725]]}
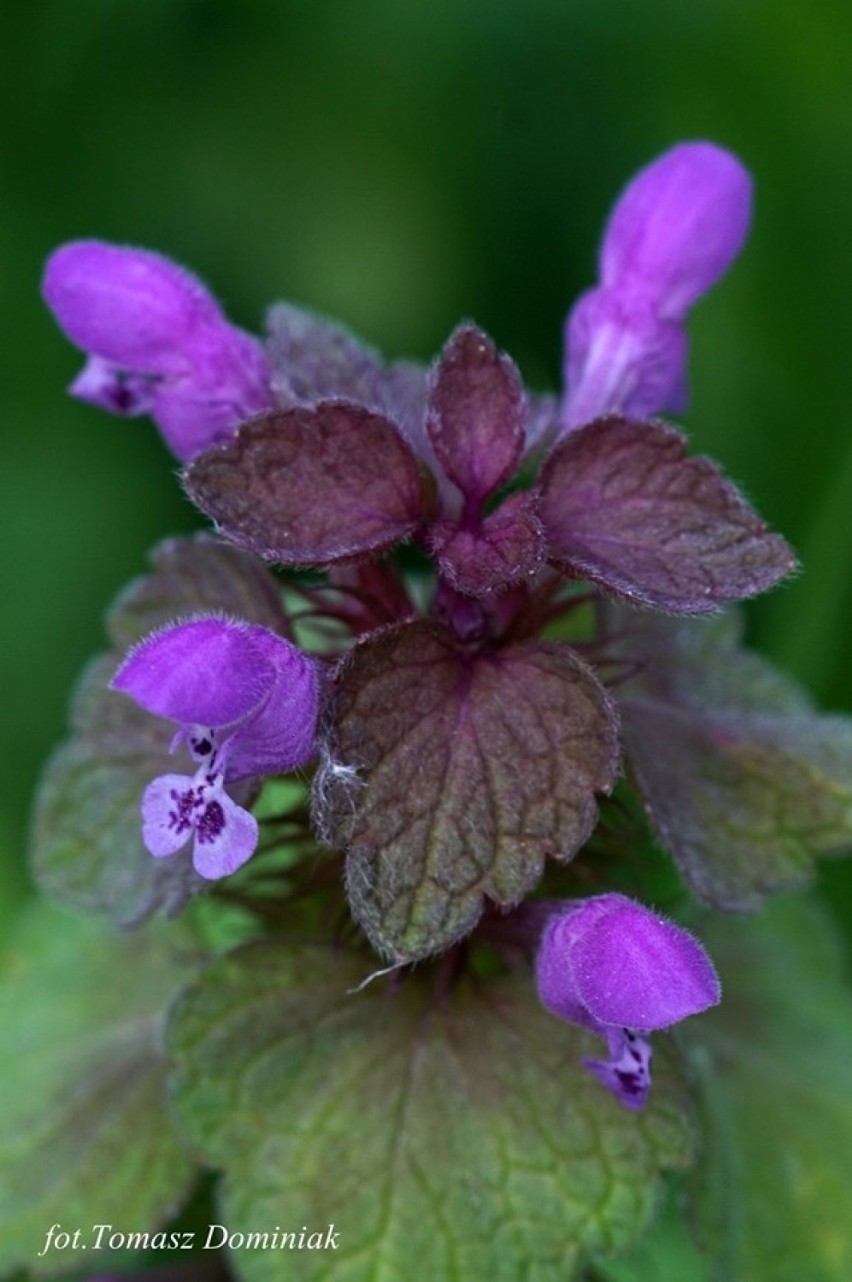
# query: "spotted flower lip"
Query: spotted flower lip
{"points": [[676, 228], [157, 343], [622, 971], [245, 703]]}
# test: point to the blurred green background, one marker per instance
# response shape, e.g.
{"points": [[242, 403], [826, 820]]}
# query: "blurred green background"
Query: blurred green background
{"points": [[399, 165]]}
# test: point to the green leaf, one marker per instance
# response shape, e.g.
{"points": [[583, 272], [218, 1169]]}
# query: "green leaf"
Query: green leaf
{"points": [[472, 770], [87, 849], [667, 1253], [448, 1135], [744, 782], [84, 1134], [771, 1197]]}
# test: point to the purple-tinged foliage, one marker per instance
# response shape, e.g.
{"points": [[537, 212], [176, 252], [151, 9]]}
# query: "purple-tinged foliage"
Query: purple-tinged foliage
{"points": [[622, 971], [623, 506], [674, 231], [506, 547], [475, 415], [313, 485], [245, 702], [313, 359], [744, 782], [157, 343], [468, 771]]}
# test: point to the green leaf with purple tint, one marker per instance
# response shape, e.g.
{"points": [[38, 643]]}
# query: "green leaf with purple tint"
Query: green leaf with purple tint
{"points": [[470, 770], [744, 781], [454, 1128], [310, 486], [623, 506]]}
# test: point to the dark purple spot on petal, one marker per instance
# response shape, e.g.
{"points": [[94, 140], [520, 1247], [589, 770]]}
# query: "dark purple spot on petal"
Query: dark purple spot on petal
{"points": [[210, 824], [181, 817]]}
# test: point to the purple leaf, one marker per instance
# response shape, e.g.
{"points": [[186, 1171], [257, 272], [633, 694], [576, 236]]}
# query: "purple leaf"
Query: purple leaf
{"points": [[454, 776], [623, 506], [508, 547], [311, 486], [475, 414]]}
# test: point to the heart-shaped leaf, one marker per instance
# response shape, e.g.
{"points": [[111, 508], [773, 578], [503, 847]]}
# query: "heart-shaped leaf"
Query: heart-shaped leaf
{"points": [[311, 485], [623, 506], [471, 770], [457, 1130]]}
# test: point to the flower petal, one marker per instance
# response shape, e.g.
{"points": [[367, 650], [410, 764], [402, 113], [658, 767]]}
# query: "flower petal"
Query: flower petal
{"points": [[158, 343], [282, 734], [225, 837], [169, 808], [634, 969], [111, 388], [621, 357], [678, 226], [207, 671], [627, 1073]]}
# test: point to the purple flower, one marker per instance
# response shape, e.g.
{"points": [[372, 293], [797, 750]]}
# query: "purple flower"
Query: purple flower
{"points": [[157, 343], [621, 970], [245, 702], [675, 230]]}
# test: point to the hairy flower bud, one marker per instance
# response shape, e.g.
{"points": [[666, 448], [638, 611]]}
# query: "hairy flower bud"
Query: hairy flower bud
{"points": [[622, 971], [157, 342], [674, 231]]}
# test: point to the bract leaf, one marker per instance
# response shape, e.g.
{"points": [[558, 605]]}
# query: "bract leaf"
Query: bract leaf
{"points": [[508, 547], [475, 414], [471, 770], [744, 782], [87, 847], [85, 1137], [314, 359], [458, 1130], [195, 576], [310, 486], [623, 506]]}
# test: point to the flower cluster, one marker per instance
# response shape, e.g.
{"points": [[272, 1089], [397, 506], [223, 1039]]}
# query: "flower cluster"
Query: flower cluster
{"points": [[479, 737]]}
